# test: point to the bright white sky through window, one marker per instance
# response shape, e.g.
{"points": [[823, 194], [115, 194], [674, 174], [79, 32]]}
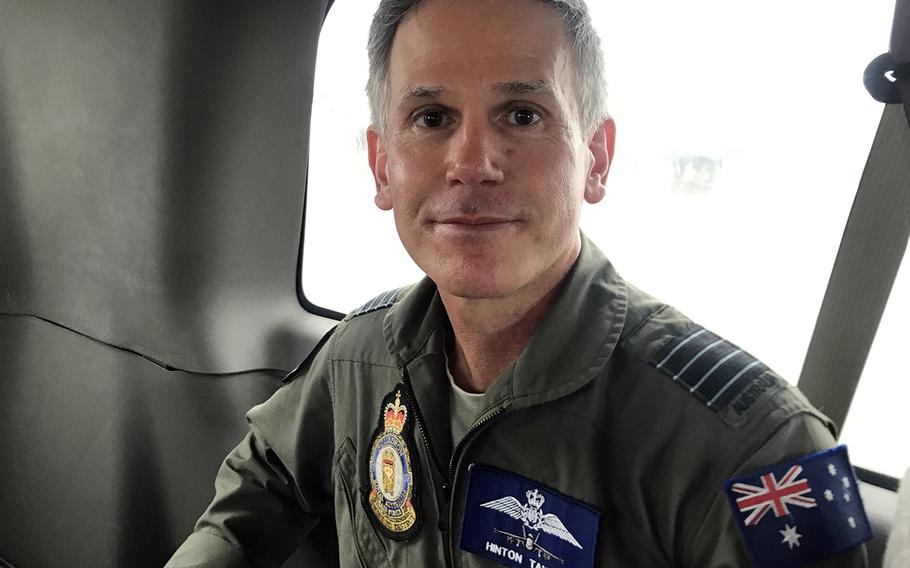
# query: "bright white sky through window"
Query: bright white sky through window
{"points": [[743, 129]]}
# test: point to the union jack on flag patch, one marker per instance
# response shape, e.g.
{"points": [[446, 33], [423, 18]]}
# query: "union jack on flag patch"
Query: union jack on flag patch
{"points": [[817, 510], [773, 495]]}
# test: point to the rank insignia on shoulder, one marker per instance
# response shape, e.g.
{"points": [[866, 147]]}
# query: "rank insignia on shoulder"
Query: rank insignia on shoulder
{"points": [[795, 514], [517, 522], [392, 497], [715, 371], [380, 302]]}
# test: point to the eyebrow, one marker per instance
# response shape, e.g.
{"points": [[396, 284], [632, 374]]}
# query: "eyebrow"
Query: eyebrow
{"points": [[512, 88], [537, 87], [422, 92]]}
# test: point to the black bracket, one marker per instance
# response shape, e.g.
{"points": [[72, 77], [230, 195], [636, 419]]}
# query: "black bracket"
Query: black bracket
{"points": [[881, 76]]}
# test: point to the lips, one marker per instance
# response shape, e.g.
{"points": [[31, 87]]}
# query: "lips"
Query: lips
{"points": [[474, 225], [475, 220]]}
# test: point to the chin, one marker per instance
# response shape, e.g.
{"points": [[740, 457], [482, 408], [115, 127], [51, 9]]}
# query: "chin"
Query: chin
{"points": [[488, 272], [477, 284]]}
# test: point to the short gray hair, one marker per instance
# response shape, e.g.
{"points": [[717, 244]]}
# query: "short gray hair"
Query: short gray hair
{"points": [[592, 98]]}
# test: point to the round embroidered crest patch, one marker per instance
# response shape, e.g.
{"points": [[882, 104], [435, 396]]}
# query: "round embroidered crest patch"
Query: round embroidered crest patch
{"points": [[392, 473]]}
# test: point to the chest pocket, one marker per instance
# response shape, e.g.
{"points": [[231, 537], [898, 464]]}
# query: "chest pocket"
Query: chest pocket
{"points": [[369, 551]]}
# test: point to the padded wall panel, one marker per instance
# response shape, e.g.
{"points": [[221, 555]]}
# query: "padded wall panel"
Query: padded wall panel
{"points": [[108, 459], [152, 173]]}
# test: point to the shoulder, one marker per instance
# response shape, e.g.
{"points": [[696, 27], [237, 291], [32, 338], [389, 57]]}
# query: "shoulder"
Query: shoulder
{"points": [[361, 335], [705, 367], [357, 337], [377, 303], [709, 413]]}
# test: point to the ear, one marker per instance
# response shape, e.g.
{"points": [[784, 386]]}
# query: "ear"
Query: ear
{"points": [[601, 146], [377, 156]]}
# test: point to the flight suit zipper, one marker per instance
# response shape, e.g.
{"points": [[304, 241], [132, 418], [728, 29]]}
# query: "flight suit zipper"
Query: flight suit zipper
{"points": [[427, 444], [412, 400], [448, 476], [453, 462]]}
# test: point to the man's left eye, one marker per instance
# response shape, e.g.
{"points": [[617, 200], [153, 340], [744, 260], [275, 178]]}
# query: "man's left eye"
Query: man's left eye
{"points": [[523, 116]]}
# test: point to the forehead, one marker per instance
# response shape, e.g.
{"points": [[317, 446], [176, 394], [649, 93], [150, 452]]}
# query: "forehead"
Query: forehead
{"points": [[480, 42]]}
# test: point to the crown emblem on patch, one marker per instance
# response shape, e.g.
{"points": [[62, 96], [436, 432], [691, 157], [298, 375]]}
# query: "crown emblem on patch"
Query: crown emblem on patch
{"points": [[535, 499], [395, 414]]}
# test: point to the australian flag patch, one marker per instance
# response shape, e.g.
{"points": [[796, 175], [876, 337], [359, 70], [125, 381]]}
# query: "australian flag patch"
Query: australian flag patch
{"points": [[518, 522], [797, 513]]}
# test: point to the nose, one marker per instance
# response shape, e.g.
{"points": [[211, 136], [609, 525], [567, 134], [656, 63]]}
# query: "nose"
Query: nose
{"points": [[474, 159]]}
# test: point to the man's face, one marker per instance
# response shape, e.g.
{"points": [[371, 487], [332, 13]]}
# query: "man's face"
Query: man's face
{"points": [[483, 159]]}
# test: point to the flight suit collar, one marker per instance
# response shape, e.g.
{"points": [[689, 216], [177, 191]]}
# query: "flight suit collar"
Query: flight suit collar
{"points": [[570, 347]]}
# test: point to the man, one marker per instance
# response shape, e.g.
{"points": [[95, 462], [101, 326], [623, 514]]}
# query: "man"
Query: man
{"points": [[522, 405]]}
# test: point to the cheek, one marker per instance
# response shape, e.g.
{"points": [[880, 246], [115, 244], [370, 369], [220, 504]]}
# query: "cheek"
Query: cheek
{"points": [[559, 180], [410, 155], [563, 201], [401, 168], [411, 175]]}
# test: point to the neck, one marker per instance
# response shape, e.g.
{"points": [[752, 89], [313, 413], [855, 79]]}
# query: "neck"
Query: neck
{"points": [[490, 333]]}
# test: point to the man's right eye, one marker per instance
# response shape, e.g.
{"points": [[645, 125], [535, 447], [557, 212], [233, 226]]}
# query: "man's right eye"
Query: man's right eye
{"points": [[430, 119]]}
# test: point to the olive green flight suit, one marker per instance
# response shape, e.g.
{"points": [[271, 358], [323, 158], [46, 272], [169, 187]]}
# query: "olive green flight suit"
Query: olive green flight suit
{"points": [[585, 411]]}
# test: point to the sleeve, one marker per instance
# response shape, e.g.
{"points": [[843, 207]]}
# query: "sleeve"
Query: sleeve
{"points": [[272, 488], [718, 543]]}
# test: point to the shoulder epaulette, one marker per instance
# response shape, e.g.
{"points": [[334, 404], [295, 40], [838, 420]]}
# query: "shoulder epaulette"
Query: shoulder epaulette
{"points": [[381, 301], [711, 368]]}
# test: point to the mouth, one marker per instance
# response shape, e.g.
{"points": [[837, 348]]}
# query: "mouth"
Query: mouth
{"points": [[474, 224]]}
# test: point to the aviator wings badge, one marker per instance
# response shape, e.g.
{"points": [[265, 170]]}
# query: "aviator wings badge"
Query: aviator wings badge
{"points": [[533, 521], [519, 522]]}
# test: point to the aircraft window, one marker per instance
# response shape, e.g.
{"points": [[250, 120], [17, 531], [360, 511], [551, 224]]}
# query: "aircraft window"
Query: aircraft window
{"points": [[351, 250], [743, 130], [877, 425]]}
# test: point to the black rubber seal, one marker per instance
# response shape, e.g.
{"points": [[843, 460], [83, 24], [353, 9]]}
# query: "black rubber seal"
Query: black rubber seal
{"points": [[877, 479], [881, 76]]}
